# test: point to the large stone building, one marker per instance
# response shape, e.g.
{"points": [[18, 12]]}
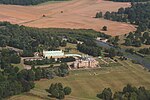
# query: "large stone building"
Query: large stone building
{"points": [[85, 63]]}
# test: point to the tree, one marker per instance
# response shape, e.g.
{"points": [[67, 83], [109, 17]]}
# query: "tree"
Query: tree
{"points": [[63, 70], [147, 41], [99, 15], [38, 73], [142, 27], [117, 96], [107, 15], [24, 2], [129, 93], [131, 35], [67, 90], [15, 59], [112, 52], [93, 50], [128, 42], [116, 38], [3, 43], [133, 96], [27, 75], [137, 43], [27, 85], [57, 91], [137, 34], [30, 76], [146, 35], [106, 94], [121, 11], [27, 53], [61, 95], [104, 28]]}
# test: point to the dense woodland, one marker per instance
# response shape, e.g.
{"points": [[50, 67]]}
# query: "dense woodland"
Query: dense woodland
{"points": [[8, 56], [14, 81], [138, 14], [25, 2], [36, 40], [128, 93], [89, 47], [11, 80]]}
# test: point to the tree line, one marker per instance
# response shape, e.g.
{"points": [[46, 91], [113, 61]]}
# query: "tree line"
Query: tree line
{"points": [[137, 39], [25, 2], [32, 40], [14, 81], [145, 51], [58, 91], [138, 14], [128, 93], [49, 61]]}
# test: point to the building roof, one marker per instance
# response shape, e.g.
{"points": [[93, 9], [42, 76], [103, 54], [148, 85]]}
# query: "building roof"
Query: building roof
{"points": [[73, 55], [53, 53]]}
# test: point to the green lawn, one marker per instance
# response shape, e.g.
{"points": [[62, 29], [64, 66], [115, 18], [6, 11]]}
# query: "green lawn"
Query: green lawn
{"points": [[85, 85], [25, 97], [20, 66], [73, 48]]}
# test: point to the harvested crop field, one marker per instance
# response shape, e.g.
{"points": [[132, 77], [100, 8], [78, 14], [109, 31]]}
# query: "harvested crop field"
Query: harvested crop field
{"points": [[68, 14]]}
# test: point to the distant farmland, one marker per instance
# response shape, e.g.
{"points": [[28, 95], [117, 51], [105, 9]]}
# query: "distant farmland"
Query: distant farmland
{"points": [[68, 14]]}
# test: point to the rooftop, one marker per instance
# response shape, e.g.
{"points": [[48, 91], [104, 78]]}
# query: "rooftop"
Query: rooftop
{"points": [[53, 53]]}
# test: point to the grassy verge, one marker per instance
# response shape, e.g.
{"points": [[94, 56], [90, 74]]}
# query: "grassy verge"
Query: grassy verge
{"points": [[20, 66], [72, 47]]}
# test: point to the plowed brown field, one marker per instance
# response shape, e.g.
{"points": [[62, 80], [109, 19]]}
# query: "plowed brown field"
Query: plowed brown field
{"points": [[76, 14]]}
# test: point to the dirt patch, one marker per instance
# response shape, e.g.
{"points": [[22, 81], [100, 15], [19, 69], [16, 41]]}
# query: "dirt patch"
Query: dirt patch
{"points": [[73, 14]]}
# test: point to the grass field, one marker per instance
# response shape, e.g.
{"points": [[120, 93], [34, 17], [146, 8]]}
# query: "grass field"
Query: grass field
{"points": [[73, 49], [20, 66], [85, 85]]}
